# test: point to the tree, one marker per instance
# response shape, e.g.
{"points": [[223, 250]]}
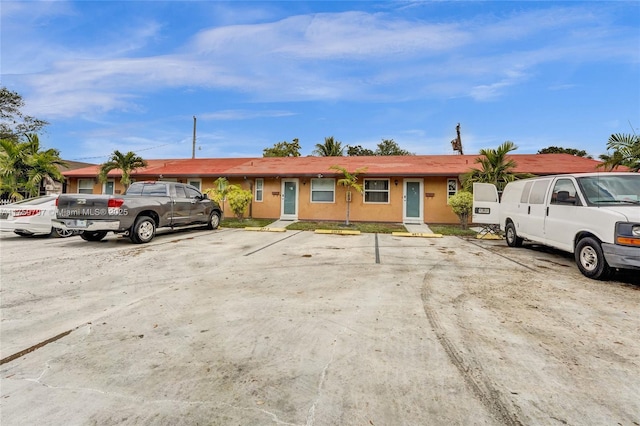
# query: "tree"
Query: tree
{"points": [[462, 204], [42, 165], [14, 125], [219, 193], [626, 152], [390, 147], [126, 163], [24, 165], [494, 168], [283, 149], [359, 151], [386, 147], [349, 180], [330, 148], [559, 150]]}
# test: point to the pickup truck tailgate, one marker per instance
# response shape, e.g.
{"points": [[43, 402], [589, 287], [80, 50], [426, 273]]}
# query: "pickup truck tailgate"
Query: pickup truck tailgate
{"points": [[82, 205]]}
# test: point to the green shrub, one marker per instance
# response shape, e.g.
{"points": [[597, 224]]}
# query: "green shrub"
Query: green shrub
{"points": [[462, 204]]}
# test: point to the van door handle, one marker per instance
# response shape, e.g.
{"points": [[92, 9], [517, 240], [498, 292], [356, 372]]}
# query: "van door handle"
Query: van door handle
{"points": [[529, 210], [547, 210]]}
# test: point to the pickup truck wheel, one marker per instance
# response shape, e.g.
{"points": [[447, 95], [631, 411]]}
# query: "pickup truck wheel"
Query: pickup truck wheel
{"points": [[143, 230], [214, 221], [590, 259], [511, 236], [93, 235]]}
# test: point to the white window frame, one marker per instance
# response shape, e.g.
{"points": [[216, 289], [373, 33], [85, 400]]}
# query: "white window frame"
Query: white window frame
{"points": [[197, 181], [387, 191], [452, 192], [333, 190], [259, 190], [82, 190]]}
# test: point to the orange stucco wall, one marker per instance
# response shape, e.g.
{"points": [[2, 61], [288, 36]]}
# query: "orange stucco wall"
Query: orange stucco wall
{"points": [[436, 209]]}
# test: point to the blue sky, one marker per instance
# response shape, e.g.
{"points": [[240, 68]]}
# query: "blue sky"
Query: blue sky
{"points": [[131, 75]]}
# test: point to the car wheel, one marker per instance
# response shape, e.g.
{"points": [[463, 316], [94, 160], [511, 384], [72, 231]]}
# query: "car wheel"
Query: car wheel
{"points": [[61, 233], [93, 235], [214, 221], [511, 236], [590, 259], [143, 230]]}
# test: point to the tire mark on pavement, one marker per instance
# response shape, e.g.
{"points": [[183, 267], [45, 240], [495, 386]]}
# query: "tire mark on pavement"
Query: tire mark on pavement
{"points": [[473, 375], [498, 254]]}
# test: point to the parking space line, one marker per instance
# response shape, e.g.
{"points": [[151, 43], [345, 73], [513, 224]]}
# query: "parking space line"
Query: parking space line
{"points": [[275, 242]]}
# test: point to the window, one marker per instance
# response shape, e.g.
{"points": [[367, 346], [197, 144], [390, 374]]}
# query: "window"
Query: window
{"points": [[525, 192], [538, 192], [85, 186], [179, 192], [323, 190], [259, 189], [192, 192], [564, 192], [452, 188], [376, 190], [196, 183]]}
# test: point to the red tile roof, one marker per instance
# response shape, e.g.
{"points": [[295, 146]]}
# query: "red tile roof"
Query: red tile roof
{"points": [[415, 165]]}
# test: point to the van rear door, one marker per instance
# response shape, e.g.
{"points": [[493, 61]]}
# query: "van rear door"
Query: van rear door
{"points": [[486, 207]]}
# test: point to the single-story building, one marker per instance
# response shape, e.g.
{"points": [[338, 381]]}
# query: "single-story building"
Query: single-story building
{"points": [[398, 189]]}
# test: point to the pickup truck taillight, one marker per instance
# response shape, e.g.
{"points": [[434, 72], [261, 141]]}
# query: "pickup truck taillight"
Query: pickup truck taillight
{"points": [[115, 202]]}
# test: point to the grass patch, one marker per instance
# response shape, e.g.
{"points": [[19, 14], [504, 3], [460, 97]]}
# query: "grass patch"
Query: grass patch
{"points": [[365, 227], [455, 230], [232, 222]]}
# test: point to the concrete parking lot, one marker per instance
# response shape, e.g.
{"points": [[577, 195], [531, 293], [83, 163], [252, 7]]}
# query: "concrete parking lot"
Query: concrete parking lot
{"points": [[231, 327]]}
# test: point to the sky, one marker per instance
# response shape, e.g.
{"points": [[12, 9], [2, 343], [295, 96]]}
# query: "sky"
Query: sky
{"points": [[131, 75]]}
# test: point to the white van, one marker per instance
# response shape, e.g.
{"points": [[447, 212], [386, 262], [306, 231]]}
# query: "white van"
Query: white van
{"points": [[596, 216]]}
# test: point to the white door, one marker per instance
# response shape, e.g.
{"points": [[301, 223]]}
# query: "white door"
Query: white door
{"points": [[289, 199], [486, 207], [413, 201]]}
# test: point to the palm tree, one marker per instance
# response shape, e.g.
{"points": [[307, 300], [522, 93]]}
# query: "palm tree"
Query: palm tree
{"points": [[23, 167], [494, 168], [349, 180], [330, 148], [126, 163], [42, 165], [626, 152]]}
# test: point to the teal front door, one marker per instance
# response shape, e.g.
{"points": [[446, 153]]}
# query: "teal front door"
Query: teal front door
{"points": [[289, 199], [412, 211]]}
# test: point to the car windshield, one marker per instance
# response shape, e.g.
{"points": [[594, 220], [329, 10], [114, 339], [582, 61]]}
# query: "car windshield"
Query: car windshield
{"points": [[34, 201], [613, 189]]}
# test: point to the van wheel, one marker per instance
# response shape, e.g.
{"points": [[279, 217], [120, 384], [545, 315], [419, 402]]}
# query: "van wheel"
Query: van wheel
{"points": [[214, 221], [511, 236], [590, 259], [93, 235], [143, 230]]}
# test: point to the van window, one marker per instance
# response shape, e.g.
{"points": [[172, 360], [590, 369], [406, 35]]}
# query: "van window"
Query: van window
{"points": [[538, 191], [564, 193], [524, 198]]}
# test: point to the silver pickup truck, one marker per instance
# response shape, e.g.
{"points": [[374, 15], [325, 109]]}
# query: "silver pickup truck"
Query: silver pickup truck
{"points": [[145, 207]]}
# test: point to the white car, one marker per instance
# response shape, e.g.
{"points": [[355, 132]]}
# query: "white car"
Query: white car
{"points": [[31, 217]]}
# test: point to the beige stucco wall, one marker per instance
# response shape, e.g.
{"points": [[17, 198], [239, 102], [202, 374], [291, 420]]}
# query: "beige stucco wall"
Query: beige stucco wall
{"points": [[436, 209]]}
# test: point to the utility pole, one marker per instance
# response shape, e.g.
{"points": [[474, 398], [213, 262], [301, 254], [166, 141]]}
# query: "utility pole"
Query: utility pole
{"points": [[193, 151]]}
